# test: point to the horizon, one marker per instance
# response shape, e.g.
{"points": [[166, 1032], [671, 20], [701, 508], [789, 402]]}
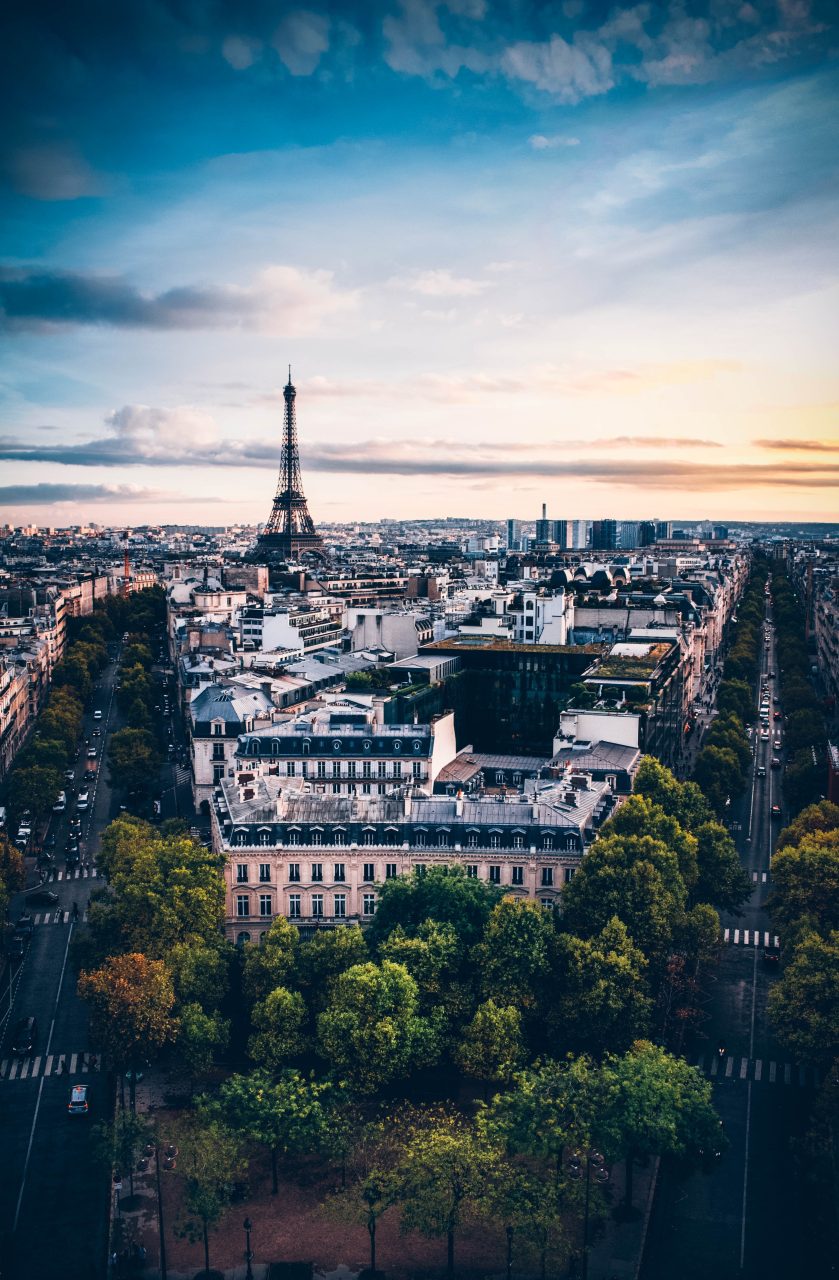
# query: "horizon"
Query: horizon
{"points": [[579, 253]]}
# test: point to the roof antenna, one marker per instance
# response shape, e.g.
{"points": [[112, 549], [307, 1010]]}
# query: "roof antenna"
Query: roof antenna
{"points": [[289, 375]]}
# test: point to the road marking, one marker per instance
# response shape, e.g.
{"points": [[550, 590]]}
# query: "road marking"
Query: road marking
{"points": [[758, 1069], [726, 936], [41, 1087], [36, 1066], [773, 1071], [48, 1066], [73, 1060], [787, 1073], [736, 937], [777, 940], [24, 1070], [59, 875], [729, 1068], [744, 1068], [14, 1070], [745, 937], [754, 877]]}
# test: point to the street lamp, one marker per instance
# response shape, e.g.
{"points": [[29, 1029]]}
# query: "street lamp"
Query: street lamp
{"points": [[248, 1225], [509, 1231], [593, 1161]]}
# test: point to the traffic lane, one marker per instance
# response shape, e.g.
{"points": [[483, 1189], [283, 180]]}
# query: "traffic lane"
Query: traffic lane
{"points": [[71, 1033], [66, 1190], [696, 1223], [38, 983], [775, 1238], [18, 1099]]}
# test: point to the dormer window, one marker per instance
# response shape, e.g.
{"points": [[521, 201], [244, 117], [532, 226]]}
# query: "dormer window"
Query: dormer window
{"points": [[218, 728]]}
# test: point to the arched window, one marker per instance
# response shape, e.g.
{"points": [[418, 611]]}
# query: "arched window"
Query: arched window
{"points": [[253, 747], [472, 840], [442, 838], [242, 938], [368, 835], [276, 746], [307, 746], [419, 839], [417, 745]]}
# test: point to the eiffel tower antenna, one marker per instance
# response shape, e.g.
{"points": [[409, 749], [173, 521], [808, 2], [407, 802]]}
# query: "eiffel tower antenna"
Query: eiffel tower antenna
{"points": [[290, 530]]}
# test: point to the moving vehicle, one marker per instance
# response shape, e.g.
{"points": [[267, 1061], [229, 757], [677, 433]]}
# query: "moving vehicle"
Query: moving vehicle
{"points": [[78, 1104], [82, 800], [24, 1037], [44, 897], [776, 763], [60, 803], [775, 811], [776, 715], [761, 770], [91, 753], [771, 957], [97, 715]]}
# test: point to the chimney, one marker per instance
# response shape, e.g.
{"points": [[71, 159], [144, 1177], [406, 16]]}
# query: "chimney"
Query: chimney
{"points": [[379, 710], [408, 798], [544, 510], [571, 798], [458, 805]]}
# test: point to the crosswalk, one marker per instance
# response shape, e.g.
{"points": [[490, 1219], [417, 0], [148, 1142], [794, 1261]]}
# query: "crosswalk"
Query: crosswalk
{"points": [[53, 1064], [182, 775], [59, 916], [78, 873], [760, 877], [758, 1070], [750, 938]]}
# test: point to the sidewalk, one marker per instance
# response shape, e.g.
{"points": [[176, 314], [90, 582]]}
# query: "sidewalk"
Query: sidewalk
{"points": [[617, 1254]]}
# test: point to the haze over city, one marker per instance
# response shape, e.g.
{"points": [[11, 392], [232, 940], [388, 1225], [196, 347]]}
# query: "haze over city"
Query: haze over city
{"points": [[576, 253]]}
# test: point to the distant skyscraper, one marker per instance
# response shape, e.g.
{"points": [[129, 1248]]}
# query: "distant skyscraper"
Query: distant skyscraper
{"points": [[646, 533], [544, 529], [628, 535], [604, 535], [664, 528], [514, 535], [578, 534], [720, 532]]}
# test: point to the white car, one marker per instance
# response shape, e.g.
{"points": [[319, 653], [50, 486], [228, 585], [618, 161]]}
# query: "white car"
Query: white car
{"points": [[97, 715], [61, 803], [82, 801], [764, 735]]}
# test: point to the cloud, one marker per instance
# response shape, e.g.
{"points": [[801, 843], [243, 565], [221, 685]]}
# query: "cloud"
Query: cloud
{"points": [[545, 142], [53, 171], [440, 283], [283, 299], [416, 44], [301, 40], [30, 495], [568, 71], [241, 51], [800, 446]]}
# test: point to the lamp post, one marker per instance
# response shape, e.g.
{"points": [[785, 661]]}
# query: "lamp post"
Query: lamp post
{"points": [[509, 1231], [248, 1225], [161, 1236], [593, 1161]]}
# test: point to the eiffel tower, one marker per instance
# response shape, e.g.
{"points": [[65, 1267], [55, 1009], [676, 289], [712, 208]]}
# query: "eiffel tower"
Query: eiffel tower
{"points": [[290, 530]]}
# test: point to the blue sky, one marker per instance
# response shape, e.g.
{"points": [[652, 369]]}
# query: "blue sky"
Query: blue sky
{"points": [[514, 252]]}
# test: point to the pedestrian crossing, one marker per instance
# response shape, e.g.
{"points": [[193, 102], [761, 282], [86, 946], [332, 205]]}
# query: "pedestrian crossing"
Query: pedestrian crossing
{"points": [[760, 877], [759, 1070], [182, 775], [59, 916], [53, 1064], [78, 873], [750, 938]]}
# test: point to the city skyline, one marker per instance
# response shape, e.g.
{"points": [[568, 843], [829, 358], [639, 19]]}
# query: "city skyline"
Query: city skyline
{"points": [[582, 254]]}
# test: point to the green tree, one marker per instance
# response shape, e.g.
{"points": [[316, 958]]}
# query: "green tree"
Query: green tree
{"points": [[210, 1162], [804, 1005], [822, 816], [137, 654], [138, 715], [444, 894], [34, 789], [443, 1174], [722, 881], [601, 999], [548, 1107], [371, 1185], [371, 1032], [201, 1037], [134, 760], [805, 729], [805, 884], [736, 696], [120, 1145], [287, 1115], [322, 958], [654, 1104], [720, 775], [131, 1001], [640, 816], [491, 1047], [683, 801], [514, 955], [270, 964], [278, 1022], [804, 777]]}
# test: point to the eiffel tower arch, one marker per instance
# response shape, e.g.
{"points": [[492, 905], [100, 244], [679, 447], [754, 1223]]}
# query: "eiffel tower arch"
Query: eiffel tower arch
{"points": [[290, 531]]}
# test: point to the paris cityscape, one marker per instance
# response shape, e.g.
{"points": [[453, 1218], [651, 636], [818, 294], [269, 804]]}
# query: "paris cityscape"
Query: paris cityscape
{"points": [[419, 641]]}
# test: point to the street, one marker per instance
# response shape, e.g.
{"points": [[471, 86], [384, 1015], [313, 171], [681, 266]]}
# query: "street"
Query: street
{"points": [[745, 1219]]}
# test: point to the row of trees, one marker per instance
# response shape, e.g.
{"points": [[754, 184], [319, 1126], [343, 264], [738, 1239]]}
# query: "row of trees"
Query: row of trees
{"points": [[135, 755], [805, 727]]}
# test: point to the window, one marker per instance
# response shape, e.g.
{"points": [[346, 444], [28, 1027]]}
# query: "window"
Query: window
{"points": [[417, 769], [351, 769], [547, 877], [419, 839], [218, 750], [218, 730], [494, 840], [265, 904], [518, 842], [339, 872], [495, 875], [382, 788], [472, 840], [265, 872], [368, 836], [294, 906], [421, 868], [547, 842], [472, 870], [336, 788], [317, 904], [381, 769], [369, 872], [294, 837], [369, 904], [390, 871], [294, 872], [321, 768], [218, 773], [290, 769], [336, 768], [317, 871], [242, 873], [339, 905], [243, 904], [442, 839], [336, 745], [569, 874], [366, 769], [339, 836], [242, 938], [397, 768], [518, 875], [365, 788]]}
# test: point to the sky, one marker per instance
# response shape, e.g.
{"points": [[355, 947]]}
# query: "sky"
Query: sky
{"points": [[517, 252]]}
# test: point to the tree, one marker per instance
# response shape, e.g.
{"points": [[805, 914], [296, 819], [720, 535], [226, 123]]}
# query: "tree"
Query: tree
{"points": [[287, 1114], [640, 816], [654, 1104], [131, 1000], [371, 1187], [491, 1045], [137, 654], [201, 1037], [805, 884], [722, 881], [720, 775], [270, 965], [804, 776], [444, 894], [34, 789], [736, 696], [432, 956], [371, 1031], [804, 1005], [120, 1144], [601, 998], [443, 1173], [683, 801], [805, 729], [209, 1161], [138, 715], [822, 816], [322, 958], [278, 1020], [134, 760], [513, 957]]}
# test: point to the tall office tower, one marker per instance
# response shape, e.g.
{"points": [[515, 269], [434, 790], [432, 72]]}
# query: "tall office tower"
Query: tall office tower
{"points": [[664, 528], [628, 535], [544, 527], [720, 532], [604, 535], [290, 530], [560, 533], [646, 533], [578, 534], [514, 535]]}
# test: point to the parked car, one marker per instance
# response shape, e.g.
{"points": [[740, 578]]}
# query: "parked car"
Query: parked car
{"points": [[60, 802], [97, 715], [16, 947], [24, 1037], [82, 800], [78, 1103], [761, 770], [25, 924]]}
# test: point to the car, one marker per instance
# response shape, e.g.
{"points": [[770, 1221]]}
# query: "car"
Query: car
{"points": [[25, 924], [764, 735], [97, 733], [82, 800], [69, 775], [761, 770], [771, 675], [776, 745], [91, 753], [776, 763], [78, 1103], [16, 947], [44, 897], [97, 715], [771, 957], [24, 1037], [776, 715], [60, 802], [775, 811]]}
